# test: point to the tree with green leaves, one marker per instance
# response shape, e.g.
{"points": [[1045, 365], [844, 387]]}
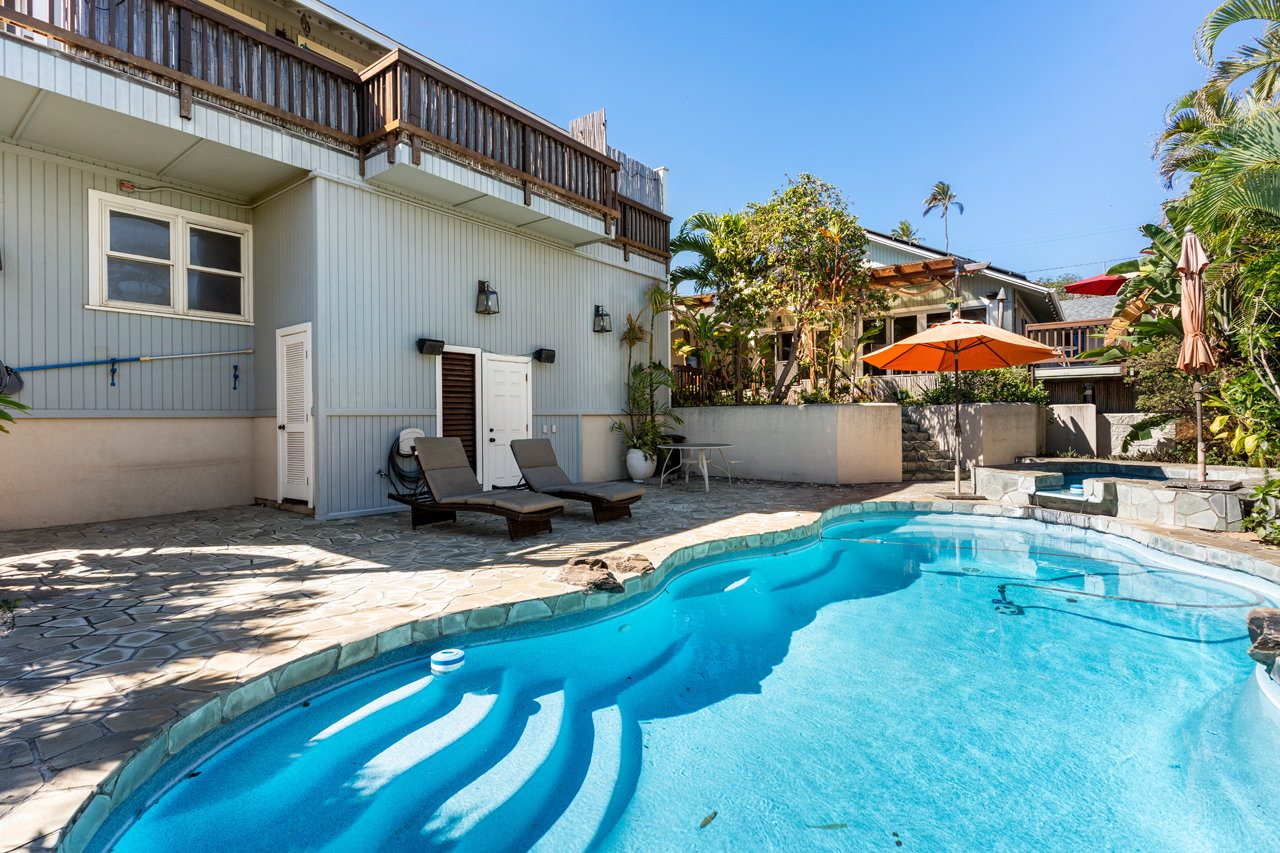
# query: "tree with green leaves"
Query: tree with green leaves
{"points": [[905, 232], [942, 199], [815, 254], [725, 264], [1261, 58]]}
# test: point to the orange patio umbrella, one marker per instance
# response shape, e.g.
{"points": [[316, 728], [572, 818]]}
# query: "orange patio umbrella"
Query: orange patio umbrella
{"points": [[958, 345]]}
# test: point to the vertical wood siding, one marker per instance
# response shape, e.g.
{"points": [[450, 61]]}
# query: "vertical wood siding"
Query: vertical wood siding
{"points": [[391, 272], [44, 288], [284, 265]]}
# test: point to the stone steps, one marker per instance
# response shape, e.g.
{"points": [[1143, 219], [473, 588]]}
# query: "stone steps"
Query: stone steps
{"points": [[922, 458]]}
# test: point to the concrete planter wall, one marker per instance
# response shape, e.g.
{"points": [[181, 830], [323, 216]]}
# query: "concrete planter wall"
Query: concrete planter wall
{"points": [[991, 433], [829, 444], [1081, 428]]}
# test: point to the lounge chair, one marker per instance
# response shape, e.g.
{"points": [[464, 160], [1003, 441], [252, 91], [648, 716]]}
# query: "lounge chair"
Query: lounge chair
{"points": [[452, 487], [537, 461]]}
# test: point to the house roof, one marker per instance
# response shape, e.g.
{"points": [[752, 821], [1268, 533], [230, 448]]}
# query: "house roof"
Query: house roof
{"points": [[1040, 299], [1089, 308]]}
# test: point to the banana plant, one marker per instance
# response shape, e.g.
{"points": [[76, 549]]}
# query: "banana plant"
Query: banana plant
{"points": [[1144, 305]]}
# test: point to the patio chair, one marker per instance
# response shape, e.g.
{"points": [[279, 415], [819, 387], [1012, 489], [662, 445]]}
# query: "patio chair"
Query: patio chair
{"points": [[541, 472], [452, 487]]}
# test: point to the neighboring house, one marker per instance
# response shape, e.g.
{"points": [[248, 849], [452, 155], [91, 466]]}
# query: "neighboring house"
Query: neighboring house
{"points": [[1074, 380], [992, 295], [295, 201]]}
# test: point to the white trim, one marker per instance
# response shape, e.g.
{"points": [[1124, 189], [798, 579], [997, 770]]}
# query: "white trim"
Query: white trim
{"points": [[102, 204], [203, 318]]}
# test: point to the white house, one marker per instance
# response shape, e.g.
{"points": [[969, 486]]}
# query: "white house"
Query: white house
{"points": [[234, 237]]}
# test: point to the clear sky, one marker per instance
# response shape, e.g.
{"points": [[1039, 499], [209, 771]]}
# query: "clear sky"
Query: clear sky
{"points": [[1040, 115]]}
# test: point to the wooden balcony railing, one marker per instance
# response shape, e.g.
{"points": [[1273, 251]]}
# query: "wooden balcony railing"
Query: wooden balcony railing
{"points": [[406, 95], [643, 227], [1071, 338], [199, 48]]}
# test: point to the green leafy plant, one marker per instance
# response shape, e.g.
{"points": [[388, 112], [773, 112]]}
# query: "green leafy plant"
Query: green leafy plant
{"points": [[8, 610], [1264, 518], [1005, 385], [10, 403]]}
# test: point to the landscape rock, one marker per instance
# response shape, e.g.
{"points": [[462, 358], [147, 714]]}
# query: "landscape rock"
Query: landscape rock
{"points": [[1264, 631]]}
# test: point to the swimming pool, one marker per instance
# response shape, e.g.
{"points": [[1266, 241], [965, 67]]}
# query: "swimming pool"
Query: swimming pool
{"points": [[932, 683]]}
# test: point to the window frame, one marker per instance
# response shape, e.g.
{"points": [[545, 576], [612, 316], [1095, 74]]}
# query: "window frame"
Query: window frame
{"points": [[102, 205]]}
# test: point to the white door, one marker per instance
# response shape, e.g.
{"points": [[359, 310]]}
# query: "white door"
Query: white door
{"points": [[295, 447], [506, 414]]}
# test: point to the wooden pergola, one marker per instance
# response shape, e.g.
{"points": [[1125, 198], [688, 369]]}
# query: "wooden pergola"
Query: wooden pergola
{"points": [[922, 277]]}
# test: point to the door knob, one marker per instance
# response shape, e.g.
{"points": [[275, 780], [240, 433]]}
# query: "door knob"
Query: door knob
{"points": [[492, 440], [280, 427]]}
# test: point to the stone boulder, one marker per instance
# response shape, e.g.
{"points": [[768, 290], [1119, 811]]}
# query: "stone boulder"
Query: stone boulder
{"points": [[1264, 632]]}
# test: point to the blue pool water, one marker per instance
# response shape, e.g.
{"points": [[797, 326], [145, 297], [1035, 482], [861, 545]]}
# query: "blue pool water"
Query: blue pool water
{"points": [[1077, 480], [874, 688]]}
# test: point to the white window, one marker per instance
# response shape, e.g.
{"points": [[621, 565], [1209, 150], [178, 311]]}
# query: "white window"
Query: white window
{"points": [[150, 259]]}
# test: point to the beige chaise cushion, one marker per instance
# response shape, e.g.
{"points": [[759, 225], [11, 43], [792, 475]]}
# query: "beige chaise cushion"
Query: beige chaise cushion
{"points": [[537, 461], [451, 480]]}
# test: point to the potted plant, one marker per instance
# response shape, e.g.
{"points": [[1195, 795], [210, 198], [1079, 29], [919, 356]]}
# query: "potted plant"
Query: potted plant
{"points": [[646, 417]]}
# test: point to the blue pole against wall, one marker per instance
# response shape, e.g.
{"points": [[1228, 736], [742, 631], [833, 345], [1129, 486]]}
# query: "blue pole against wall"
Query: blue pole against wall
{"points": [[235, 370]]}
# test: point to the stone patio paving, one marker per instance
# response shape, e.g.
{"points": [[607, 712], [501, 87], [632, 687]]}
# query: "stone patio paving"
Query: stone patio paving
{"points": [[127, 627]]}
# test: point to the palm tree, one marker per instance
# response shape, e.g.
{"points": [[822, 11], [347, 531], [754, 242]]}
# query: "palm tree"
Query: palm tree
{"points": [[905, 232], [725, 265], [942, 199], [1193, 123], [1261, 58]]}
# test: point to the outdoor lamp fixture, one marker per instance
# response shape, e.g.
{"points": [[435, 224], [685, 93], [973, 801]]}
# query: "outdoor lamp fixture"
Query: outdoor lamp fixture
{"points": [[602, 322], [544, 356], [430, 346], [486, 299]]}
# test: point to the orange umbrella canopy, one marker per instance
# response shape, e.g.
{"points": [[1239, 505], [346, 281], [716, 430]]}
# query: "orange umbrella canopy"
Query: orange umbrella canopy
{"points": [[960, 345]]}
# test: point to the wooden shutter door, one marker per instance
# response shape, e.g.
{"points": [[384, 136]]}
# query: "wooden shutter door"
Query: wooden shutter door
{"points": [[458, 396]]}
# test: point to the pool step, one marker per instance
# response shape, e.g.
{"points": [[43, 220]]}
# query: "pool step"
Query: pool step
{"points": [[580, 823], [461, 818]]}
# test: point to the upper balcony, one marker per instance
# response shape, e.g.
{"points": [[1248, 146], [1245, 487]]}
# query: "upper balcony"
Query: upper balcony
{"points": [[398, 105], [1072, 338]]}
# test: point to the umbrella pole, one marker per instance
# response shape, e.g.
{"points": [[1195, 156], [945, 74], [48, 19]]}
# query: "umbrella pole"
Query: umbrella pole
{"points": [[1198, 391], [956, 379]]}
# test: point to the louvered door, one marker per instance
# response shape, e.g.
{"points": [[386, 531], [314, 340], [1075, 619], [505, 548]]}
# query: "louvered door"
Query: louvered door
{"points": [[458, 400], [295, 450]]}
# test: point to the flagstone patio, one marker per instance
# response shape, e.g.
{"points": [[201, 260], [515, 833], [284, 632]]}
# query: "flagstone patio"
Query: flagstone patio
{"points": [[128, 627]]}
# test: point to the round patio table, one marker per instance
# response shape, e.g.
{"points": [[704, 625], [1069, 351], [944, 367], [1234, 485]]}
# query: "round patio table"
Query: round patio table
{"points": [[703, 461]]}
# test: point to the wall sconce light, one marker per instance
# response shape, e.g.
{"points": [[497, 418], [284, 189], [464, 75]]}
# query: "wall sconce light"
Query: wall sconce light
{"points": [[544, 356], [602, 322], [430, 346], [777, 323], [486, 299]]}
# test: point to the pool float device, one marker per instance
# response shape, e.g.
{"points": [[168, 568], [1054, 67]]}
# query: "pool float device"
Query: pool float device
{"points": [[447, 660]]}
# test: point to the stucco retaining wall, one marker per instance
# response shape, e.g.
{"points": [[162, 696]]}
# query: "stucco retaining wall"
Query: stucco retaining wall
{"points": [[829, 444], [80, 470], [320, 664], [991, 433]]}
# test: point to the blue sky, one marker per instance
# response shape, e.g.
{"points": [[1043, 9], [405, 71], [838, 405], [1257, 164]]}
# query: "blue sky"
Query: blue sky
{"points": [[1040, 115]]}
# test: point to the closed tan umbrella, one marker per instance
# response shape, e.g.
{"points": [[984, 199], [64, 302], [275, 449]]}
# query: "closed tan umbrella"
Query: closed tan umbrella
{"points": [[1195, 357]]}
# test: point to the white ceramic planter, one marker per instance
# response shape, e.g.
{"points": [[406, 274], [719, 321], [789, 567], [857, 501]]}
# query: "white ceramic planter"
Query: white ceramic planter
{"points": [[639, 466]]}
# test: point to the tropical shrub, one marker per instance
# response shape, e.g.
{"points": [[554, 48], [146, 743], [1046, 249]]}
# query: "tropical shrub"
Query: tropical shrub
{"points": [[1005, 385]]}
